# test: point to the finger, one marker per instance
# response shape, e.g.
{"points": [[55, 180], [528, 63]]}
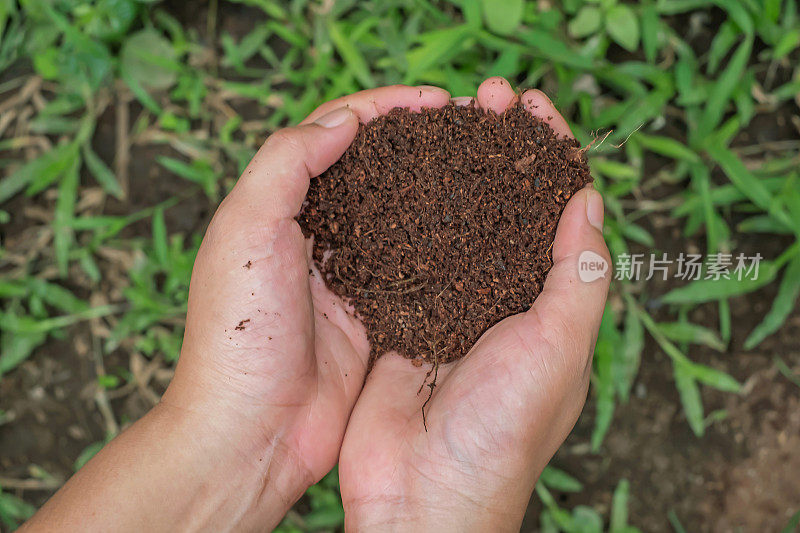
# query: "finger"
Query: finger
{"points": [[554, 340], [462, 100], [380, 429], [373, 102], [253, 249], [394, 393], [535, 366], [495, 94], [275, 182], [541, 106], [567, 313], [338, 331]]}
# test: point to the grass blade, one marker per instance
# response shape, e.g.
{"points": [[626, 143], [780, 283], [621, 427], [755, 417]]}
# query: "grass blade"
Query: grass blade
{"points": [[503, 17], [627, 366], [434, 48], [675, 522], [14, 510], [160, 243], [725, 327], [199, 171], [606, 349], [782, 306], [784, 369], [762, 224], [691, 333], [15, 347], [559, 480], [709, 376], [749, 185], [351, 55], [623, 26], [792, 525], [555, 50], [701, 181], [104, 176], [713, 377], [726, 37], [738, 14], [30, 325], [651, 26], [690, 398], [723, 89], [63, 235], [46, 169], [619, 507], [667, 147], [703, 290]]}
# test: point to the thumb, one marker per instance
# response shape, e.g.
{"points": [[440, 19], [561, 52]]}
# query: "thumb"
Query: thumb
{"points": [[270, 193], [253, 251], [570, 307], [275, 182], [553, 341]]}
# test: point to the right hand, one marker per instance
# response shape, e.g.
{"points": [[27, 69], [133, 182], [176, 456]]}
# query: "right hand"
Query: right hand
{"points": [[495, 417]]}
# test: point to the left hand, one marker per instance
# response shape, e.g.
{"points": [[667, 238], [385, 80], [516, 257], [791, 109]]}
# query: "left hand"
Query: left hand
{"points": [[270, 367], [268, 348]]}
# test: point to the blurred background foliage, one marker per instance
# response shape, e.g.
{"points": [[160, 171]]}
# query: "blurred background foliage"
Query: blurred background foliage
{"points": [[124, 122]]}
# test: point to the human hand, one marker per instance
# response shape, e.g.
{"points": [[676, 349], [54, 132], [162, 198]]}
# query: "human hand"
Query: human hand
{"points": [[270, 367], [496, 417], [271, 357]]}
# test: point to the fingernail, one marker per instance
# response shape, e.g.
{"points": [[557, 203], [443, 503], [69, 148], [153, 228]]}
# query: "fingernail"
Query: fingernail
{"points": [[544, 95], [594, 208], [334, 118], [429, 88], [462, 100], [497, 81]]}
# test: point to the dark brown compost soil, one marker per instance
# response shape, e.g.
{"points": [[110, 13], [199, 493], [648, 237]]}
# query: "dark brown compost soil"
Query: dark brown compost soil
{"points": [[436, 225]]}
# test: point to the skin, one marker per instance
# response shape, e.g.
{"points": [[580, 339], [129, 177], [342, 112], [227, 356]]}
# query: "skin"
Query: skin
{"points": [[269, 391]]}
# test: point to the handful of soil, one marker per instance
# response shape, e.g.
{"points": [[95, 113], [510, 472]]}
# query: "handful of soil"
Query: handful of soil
{"points": [[437, 225]]}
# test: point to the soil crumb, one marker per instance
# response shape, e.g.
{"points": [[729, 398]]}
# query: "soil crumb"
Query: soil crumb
{"points": [[436, 225]]}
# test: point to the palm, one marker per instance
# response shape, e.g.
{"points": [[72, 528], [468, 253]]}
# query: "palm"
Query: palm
{"points": [[272, 340], [474, 423], [263, 337]]}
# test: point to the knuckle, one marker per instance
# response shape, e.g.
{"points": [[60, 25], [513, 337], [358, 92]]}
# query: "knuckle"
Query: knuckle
{"points": [[287, 139], [216, 232], [567, 349]]}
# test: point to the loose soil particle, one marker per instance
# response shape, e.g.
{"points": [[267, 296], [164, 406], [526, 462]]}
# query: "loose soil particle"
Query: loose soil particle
{"points": [[437, 225]]}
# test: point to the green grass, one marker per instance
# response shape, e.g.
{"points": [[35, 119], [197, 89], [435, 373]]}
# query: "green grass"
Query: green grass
{"points": [[13, 510], [623, 68]]}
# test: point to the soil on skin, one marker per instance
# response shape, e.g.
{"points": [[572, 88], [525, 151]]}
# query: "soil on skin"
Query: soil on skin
{"points": [[437, 225]]}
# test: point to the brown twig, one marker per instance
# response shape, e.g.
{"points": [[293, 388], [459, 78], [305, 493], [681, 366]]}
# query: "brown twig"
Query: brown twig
{"points": [[432, 385], [30, 484]]}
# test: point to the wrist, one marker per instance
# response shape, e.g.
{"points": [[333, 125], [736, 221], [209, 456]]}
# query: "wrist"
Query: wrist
{"points": [[403, 514], [249, 475], [189, 469]]}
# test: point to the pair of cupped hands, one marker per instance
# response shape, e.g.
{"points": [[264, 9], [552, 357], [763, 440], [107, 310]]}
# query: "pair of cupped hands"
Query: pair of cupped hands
{"points": [[260, 409]]}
